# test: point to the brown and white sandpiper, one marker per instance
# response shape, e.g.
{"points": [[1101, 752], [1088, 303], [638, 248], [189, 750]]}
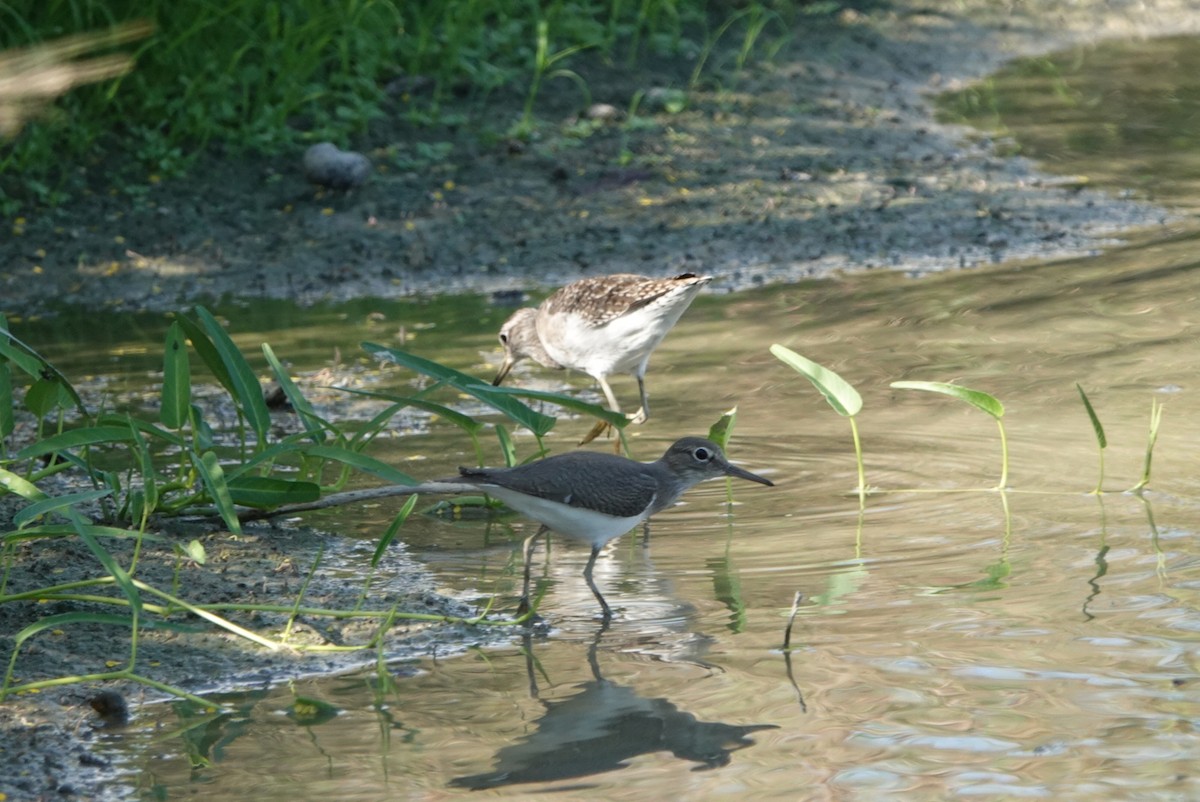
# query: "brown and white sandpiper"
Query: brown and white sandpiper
{"points": [[601, 326]]}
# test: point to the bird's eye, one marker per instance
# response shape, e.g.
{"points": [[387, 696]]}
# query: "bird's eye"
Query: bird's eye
{"points": [[703, 454], [503, 338]]}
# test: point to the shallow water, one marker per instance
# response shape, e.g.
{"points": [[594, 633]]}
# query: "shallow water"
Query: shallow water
{"points": [[953, 640]]}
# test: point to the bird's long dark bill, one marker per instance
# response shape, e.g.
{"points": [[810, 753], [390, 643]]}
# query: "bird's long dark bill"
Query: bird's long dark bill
{"points": [[504, 369], [733, 470]]}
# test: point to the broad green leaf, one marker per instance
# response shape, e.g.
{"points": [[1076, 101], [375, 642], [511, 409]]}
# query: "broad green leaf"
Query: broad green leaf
{"points": [[46, 395], [35, 366], [207, 352], [19, 485], [1096, 425], [266, 492], [393, 528], [213, 478], [976, 398], [844, 399], [55, 504], [203, 434], [464, 422], [722, 430], [618, 419], [76, 438], [535, 421], [144, 427], [248, 393], [313, 423], [363, 463], [177, 379]]}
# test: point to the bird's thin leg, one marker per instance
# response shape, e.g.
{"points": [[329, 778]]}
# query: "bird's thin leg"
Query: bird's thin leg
{"points": [[526, 555], [644, 413], [587, 574], [601, 427]]}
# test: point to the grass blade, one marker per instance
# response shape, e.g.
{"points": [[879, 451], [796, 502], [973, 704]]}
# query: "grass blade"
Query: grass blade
{"points": [[393, 528], [1101, 440], [837, 391], [1096, 425]]}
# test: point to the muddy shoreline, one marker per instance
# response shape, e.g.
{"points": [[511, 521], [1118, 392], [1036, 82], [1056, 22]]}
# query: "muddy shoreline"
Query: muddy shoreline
{"points": [[827, 159]]}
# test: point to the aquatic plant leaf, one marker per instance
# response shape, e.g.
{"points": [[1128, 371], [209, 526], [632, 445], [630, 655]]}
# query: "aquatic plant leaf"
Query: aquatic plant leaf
{"points": [[464, 422], [494, 397], [46, 395], [722, 430], [213, 477], [1097, 427], [313, 423], [308, 712], [19, 485], [30, 361], [7, 418], [177, 379], [390, 533], [844, 399], [76, 438], [55, 504], [617, 419], [362, 462], [266, 492], [247, 391], [976, 398]]}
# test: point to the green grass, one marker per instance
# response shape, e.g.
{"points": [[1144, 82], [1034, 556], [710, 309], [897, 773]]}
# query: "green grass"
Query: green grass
{"points": [[269, 77]]}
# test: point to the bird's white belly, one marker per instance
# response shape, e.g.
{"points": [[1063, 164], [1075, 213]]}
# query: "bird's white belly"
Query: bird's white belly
{"points": [[619, 347], [578, 523]]}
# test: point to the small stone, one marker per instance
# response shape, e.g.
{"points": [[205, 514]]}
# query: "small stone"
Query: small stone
{"points": [[327, 166]]}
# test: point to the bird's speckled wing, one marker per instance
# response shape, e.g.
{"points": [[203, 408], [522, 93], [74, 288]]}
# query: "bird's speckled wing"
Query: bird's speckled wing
{"points": [[590, 476], [601, 299]]}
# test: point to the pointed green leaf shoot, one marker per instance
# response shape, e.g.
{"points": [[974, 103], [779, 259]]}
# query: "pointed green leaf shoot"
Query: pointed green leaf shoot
{"points": [[844, 399]]}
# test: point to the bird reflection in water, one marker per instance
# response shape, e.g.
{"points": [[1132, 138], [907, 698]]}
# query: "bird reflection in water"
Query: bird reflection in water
{"points": [[600, 728]]}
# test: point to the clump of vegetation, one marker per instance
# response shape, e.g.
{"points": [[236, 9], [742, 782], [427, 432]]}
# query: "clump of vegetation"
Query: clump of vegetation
{"points": [[130, 470], [267, 77]]}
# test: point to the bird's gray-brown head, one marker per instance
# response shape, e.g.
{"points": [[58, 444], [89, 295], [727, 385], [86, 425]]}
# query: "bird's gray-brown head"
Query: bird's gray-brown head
{"points": [[520, 339], [694, 459]]}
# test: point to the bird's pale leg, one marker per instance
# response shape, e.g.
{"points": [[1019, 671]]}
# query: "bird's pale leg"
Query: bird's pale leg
{"points": [[644, 413], [601, 426], [527, 554], [587, 574]]}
